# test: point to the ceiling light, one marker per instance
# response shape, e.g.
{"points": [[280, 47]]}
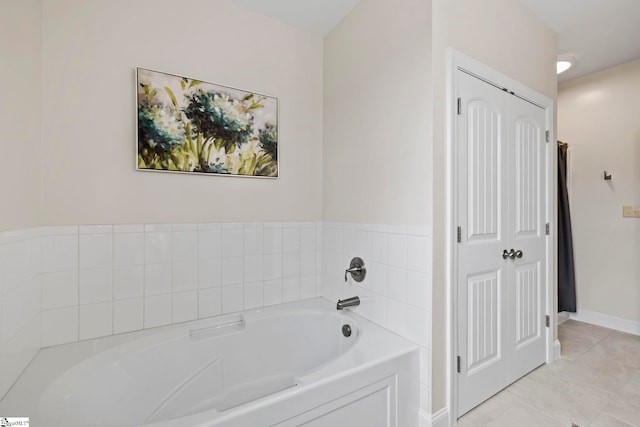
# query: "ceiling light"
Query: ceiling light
{"points": [[565, 62]]}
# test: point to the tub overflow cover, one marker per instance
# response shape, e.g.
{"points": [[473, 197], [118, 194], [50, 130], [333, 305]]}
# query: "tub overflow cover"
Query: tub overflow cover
{"points": [[346, 330]]}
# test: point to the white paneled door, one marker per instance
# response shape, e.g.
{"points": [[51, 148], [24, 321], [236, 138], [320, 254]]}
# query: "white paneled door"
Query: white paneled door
{"points": [[501, 253]]}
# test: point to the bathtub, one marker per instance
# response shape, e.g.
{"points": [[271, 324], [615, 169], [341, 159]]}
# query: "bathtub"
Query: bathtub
{"points": [[296, 364]]}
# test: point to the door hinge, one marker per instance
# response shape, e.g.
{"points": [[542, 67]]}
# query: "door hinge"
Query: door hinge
{"points": [[548, 321], [458, 364], [459, 234], [547, 135], [459, 106], [547, 229]]}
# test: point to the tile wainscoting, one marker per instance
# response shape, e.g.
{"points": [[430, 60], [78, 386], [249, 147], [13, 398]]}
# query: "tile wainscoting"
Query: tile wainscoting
{"points": [[103, 280], [396, 292], [62, 284], [20, 302]]}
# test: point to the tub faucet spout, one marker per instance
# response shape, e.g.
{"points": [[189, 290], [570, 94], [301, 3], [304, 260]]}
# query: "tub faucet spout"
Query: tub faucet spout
{"points": [[349, 302]]}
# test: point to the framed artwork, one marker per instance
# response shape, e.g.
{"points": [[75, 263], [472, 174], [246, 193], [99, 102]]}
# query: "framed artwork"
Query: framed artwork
{"points": [[191, 126]]}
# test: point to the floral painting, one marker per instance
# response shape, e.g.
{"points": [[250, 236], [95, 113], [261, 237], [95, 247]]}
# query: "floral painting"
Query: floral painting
{"points": [[187, 125]]}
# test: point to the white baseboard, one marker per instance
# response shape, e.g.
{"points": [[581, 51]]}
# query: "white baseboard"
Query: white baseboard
{"points": [[563, 316], [607, 321], [557, 351], [439, 419], [424, 419]]}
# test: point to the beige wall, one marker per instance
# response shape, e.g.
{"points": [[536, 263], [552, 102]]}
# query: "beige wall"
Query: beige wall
{"points": [[89, 54], [508, 37], [20, 119], [377, 143], [377, 115], [598, 117]]}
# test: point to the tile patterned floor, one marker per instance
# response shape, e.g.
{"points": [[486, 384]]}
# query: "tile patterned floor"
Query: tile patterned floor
{"points": [[595, 383]]}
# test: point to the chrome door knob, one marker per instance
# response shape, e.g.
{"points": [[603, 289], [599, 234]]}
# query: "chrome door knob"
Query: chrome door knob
{"points": [[508, 254], [519, 253]]}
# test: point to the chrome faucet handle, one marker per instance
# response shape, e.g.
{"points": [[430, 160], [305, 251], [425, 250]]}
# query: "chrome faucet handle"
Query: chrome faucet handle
{"points": [[356, 269], [352, 271]]}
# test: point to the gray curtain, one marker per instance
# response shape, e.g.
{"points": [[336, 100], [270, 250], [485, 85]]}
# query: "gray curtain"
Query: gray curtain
{"points": [[566, 272]]}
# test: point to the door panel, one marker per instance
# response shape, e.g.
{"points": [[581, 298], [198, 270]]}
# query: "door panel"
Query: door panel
{"points": [[482, 213], [527, 135], [527, 304], [484, 321], [484, 140], [527, 235], [500, 205]]}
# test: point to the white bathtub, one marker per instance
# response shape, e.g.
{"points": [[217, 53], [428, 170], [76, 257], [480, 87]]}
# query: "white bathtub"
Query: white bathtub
{"points": [[287, 365]]}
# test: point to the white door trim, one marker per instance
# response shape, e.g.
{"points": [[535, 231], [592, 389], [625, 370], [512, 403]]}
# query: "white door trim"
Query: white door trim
{"points": [[457, 60]]}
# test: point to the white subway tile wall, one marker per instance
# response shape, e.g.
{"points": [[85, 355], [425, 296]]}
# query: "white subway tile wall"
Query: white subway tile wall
{"points": [[101, 280], [61, 284], [69, 283], [95, 320], [128, 315], [21, 294], [396, 292]]}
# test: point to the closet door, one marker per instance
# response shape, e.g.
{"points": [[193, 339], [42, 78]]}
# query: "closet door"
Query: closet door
{"points": [[526, 234], [500, 207], [483, 219]]}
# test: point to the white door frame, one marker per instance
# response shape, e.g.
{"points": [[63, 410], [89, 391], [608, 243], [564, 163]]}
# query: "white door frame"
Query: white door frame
{"points": [[457, 60]]}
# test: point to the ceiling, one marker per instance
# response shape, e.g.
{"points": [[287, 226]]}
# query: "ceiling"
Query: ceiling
{"points": [[601, 33], [315, 16]]}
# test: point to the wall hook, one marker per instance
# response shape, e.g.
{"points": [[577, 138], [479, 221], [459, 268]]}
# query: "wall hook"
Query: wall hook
{"points": [[607, 176]]}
